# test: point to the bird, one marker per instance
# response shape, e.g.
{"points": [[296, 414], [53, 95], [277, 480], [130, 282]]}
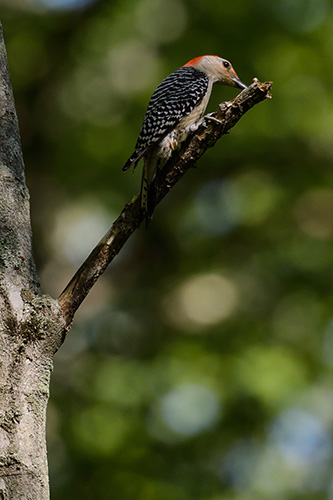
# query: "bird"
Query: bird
{"points": [[175, 109]]}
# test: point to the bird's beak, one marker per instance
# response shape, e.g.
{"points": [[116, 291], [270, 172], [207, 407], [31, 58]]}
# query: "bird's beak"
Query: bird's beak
{"points": [[238, 83]]}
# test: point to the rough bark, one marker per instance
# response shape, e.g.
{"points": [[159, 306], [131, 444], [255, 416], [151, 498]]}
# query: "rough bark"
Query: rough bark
{"points": [[30, 323], [33, 325]]}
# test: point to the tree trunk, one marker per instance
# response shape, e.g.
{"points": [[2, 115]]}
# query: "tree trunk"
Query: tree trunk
{"points": [[31, 325]]}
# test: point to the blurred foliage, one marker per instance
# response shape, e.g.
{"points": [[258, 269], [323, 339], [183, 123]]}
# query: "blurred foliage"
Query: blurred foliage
{"points": [[200, 366]]}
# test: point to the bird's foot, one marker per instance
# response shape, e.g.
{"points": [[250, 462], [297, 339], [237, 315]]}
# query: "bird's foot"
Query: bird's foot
{"points": [[212, 117], [173, 144]]}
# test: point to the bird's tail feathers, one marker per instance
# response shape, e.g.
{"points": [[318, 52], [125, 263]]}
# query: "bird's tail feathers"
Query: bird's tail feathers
{"points": [[134, 159], [131, 162], [148, 193]]}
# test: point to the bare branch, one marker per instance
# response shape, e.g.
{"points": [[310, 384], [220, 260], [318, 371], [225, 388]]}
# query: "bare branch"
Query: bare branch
{"points": [[131, 216]]}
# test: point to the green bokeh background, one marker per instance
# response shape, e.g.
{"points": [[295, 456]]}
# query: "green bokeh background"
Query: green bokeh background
{"points": [[200, 366]]}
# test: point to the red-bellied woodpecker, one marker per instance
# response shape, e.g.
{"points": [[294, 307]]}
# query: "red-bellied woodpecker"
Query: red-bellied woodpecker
{"points": [[175, 109]]}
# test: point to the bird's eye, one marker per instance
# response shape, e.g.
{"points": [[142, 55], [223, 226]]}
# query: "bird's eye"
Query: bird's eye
{"points": [[226, 64]]}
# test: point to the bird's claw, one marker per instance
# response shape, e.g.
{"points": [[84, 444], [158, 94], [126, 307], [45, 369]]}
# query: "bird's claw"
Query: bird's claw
{"points": [[212, 117]]}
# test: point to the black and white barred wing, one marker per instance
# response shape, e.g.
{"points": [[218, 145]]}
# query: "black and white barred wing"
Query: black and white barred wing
{"points": [[177, 95]]}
